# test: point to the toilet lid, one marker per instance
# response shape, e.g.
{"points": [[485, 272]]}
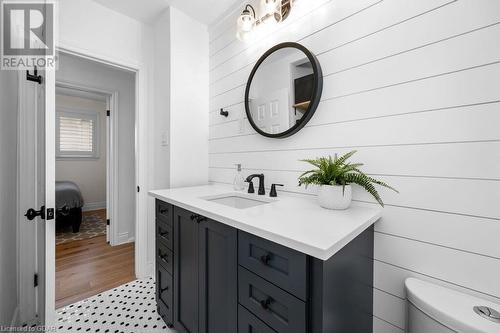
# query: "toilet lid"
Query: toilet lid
{"points": [[451, 308]]}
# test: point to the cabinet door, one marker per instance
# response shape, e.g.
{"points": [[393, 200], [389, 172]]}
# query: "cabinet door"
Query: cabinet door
{"points": [[218, 277], [185, 272]]}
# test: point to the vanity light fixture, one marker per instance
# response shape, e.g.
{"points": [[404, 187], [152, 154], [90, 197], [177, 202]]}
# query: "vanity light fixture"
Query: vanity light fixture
{"points": [[272, 11]]}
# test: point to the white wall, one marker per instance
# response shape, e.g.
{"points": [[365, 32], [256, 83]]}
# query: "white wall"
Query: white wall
{"points": [[414, 86], [91, 74], [8, 196], [188, 100], [88, 174], [181, 100]]}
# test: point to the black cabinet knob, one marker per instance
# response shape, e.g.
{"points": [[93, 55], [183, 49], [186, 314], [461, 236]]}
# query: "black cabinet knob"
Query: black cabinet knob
{"points": [[163, 234], [265, 303], [266, 259], [163, 210]]}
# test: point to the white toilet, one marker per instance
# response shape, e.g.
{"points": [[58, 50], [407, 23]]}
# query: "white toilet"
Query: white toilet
{"points": [[435, 309]]}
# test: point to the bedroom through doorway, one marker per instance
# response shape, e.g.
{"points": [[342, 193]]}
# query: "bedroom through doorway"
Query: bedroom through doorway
{"points": [[95, 178]]}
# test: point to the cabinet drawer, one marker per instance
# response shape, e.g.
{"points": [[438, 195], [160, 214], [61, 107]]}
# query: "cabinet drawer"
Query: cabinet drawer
{"points": [[164, 210], [164, 232], [282, 266], [165, 313], [164, 256], [275, 307], [164, 285], [248, 323]]}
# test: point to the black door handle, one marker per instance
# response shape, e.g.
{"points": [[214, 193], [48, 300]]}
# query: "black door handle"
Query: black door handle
{"points": [[163, 210], [31, 214]]}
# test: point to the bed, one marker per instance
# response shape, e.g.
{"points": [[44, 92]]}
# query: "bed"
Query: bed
{"points": [[69, 203]]}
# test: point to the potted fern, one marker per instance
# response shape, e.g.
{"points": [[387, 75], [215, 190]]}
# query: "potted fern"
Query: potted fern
{"points": [[335, 176]]}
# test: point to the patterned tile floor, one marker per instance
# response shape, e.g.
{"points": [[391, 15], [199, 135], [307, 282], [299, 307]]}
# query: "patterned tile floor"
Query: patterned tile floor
{"points": [[93, 225], [130, 308]]}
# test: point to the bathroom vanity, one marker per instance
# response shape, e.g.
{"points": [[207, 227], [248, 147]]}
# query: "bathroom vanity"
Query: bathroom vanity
{"points": [[231, 262]]}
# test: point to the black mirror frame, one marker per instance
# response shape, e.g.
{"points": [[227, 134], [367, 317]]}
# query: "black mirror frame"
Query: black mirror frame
{"points": [[315, 99]]}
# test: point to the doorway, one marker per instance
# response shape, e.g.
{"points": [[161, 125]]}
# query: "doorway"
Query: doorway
{"points": [[95, 178]]}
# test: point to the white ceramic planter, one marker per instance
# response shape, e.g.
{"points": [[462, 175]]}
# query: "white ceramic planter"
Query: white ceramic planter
{"points": [[335, 197]]}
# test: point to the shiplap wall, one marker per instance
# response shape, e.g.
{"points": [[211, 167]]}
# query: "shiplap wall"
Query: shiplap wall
{"points": [[414, 86]]}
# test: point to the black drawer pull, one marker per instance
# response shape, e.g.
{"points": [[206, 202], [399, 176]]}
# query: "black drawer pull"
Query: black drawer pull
{"points": [[163, 290], [163, 234], [201, 219], [265, 303], [197, 218], [163, 210], [163, 257], [266, 259]]}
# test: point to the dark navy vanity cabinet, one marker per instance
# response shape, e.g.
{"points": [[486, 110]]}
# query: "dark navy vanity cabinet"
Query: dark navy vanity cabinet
{"points": [[212, 278]]}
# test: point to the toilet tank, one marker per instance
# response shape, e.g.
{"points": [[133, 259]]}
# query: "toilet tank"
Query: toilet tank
{"points": [[436, 309]]}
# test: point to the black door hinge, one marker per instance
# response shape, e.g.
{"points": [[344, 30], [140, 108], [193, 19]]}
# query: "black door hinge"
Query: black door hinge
{"points": [[35, 280], [107, 222], [108, 113], [138, 189]]}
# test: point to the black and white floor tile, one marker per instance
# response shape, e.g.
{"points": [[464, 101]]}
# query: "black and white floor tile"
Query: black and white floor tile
{"points": [[130, 308]]}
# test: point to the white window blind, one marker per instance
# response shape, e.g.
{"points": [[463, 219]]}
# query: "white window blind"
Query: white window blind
{"points": [[77, 134]]}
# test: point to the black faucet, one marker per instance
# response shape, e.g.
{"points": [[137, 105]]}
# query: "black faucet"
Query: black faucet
{"points": [[249, 179]]}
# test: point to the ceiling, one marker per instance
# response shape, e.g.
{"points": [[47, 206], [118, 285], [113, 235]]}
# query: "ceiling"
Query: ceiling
{"points": [[205, 11]]}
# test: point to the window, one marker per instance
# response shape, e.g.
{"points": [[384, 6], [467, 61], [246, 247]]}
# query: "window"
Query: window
{"points": [[77, 134]]}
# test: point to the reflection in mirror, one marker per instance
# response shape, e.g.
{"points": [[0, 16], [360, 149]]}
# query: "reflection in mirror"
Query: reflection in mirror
{"points": [[281, 90]]}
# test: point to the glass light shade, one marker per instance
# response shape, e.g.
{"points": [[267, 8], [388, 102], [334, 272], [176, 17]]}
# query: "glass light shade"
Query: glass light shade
{"points": [[245, 21], [270, 6]]}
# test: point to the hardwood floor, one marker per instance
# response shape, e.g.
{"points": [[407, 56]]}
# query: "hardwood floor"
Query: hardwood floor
{"points": [[88, 267]]}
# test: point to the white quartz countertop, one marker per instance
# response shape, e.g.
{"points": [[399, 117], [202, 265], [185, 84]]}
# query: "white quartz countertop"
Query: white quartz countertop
{"points": [[292, 221]]}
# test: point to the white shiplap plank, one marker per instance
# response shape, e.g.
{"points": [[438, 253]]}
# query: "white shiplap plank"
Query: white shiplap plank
{"points": [[478, 123], [461, 268], [466, 160], [389, 307], [436, 194], [390, 279], [473, 86], [473, 234], [381, 326]]}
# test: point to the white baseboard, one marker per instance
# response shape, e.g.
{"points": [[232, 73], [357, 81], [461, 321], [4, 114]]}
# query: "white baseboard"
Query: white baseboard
{"points": [[124, 238], [15, 318], [94, 206]]}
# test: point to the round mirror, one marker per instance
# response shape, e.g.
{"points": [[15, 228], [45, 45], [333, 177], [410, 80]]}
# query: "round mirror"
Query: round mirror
{"points": [[283, 90]]}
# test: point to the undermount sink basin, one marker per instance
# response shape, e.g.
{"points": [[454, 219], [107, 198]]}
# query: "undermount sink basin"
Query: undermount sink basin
{"points": [[238, 200]]}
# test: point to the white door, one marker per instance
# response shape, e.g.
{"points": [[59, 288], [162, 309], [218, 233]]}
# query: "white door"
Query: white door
{"points": [[272, 113], [37, 196]]}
